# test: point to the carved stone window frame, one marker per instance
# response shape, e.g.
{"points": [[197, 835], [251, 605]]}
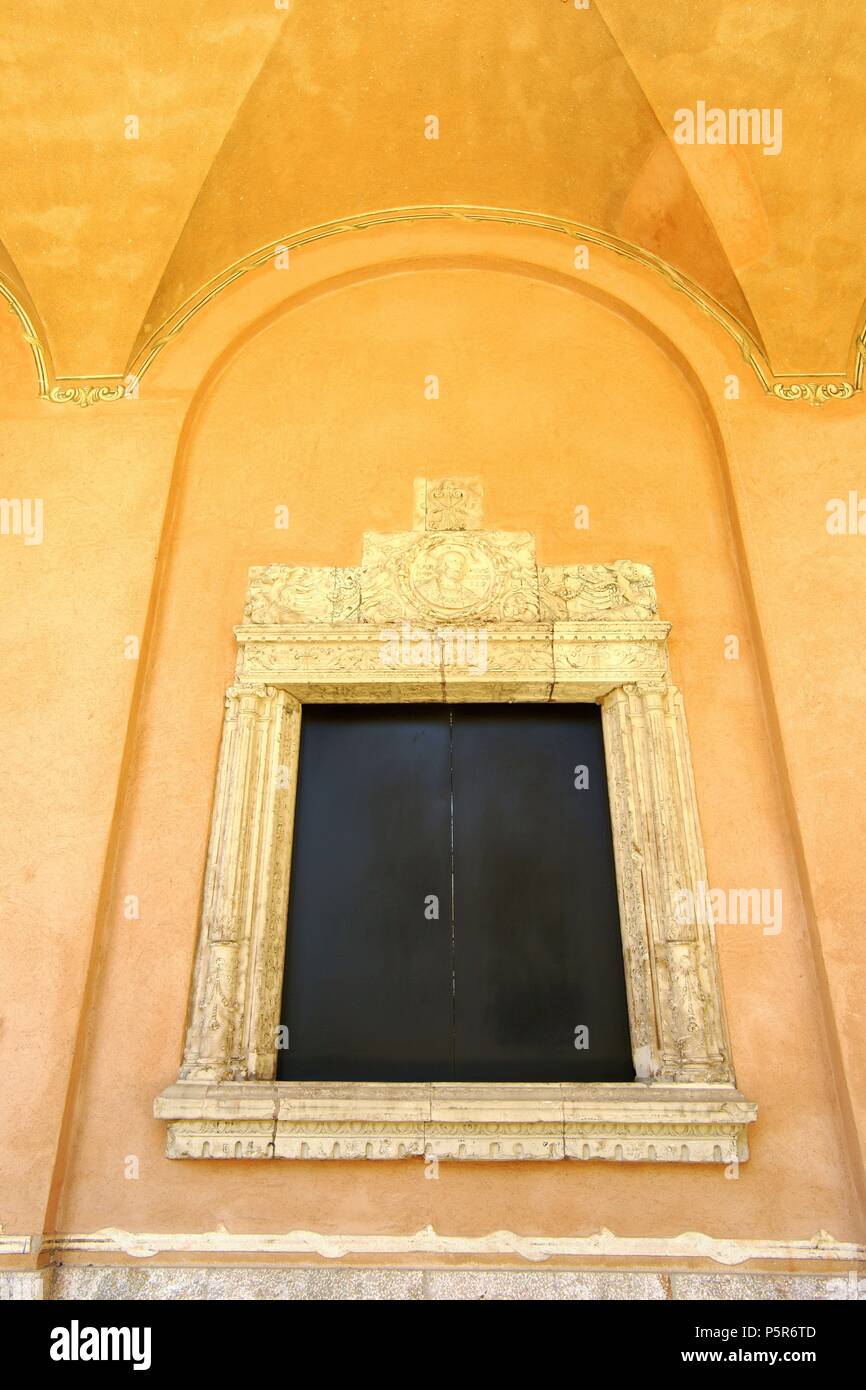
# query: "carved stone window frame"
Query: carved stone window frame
{"points": [[558, 633]]}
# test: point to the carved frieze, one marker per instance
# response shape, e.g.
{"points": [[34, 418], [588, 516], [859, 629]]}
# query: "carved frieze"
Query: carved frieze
{"points": [[450, 576], [347, 595], [622, 590], [290, 594]]}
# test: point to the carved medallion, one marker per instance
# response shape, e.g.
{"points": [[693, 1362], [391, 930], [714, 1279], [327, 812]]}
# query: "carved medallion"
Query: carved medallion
{"points": [[449, 575], [451, 578]]}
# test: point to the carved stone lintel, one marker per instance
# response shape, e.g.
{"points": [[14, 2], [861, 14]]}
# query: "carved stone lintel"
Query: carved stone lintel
{"points": [[498, 661]]}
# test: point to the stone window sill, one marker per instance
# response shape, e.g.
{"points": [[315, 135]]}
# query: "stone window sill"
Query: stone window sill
{"points": [[631, 1122]]}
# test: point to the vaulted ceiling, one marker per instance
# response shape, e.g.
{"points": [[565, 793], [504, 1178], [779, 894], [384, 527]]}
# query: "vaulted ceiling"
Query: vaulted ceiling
{"points": [[258, 118]]}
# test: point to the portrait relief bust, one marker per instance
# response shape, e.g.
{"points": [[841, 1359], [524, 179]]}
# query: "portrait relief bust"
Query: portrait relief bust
{"points": [[447, 576]]}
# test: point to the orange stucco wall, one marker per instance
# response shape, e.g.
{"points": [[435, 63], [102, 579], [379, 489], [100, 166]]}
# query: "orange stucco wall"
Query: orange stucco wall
{"points": [[154, 511]]}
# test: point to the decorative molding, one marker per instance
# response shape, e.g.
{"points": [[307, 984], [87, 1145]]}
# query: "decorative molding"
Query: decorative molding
{"points": [[533, 661], [85, 393], [817, 392], [815, 388], [819, 1249], [627, 1122], [29, 332], [684, 1106]]}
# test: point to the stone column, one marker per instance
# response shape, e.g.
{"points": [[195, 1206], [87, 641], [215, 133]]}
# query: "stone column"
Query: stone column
{"points": [[234, 1010], [675, 1008]]}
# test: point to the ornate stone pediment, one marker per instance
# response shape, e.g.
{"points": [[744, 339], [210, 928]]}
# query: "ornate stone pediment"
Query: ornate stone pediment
{"points": [[447, 571]]}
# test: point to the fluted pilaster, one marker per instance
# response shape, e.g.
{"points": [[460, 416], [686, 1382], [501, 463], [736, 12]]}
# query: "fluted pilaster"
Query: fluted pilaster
{"points": [[235, 1004], [677, 1019]]}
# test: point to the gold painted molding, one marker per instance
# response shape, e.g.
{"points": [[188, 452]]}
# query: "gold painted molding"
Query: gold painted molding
{"points": [[813, 387], [81, 391], [30, 335], [563, 633], [88, 392]]}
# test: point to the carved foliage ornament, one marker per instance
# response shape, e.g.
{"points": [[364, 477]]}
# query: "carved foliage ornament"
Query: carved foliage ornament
{"points": [[447, 569]]}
